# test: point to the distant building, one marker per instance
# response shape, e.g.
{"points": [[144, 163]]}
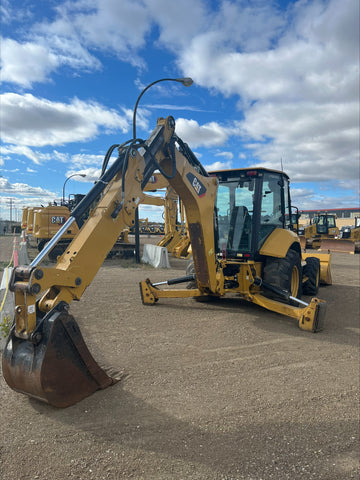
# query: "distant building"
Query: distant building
{"points": [[7, 227]]}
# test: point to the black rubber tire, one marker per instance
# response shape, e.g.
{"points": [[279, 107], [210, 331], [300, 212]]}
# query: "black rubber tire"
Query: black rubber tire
{"points": [[285, 273], [312, 271]]}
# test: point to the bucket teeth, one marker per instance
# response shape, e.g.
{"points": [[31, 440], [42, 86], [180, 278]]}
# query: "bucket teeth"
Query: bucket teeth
{"points": [[114, 374]]}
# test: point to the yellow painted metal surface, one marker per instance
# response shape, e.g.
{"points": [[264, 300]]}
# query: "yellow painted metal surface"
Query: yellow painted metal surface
{"points": [[279, 242]]}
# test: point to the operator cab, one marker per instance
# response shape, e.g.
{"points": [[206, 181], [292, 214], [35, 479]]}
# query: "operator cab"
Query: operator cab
{"points": [[250, 205], [324, 222]]}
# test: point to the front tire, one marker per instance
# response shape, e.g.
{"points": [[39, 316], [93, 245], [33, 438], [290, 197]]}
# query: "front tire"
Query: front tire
{"points": [[285, 273], [312, 271]]}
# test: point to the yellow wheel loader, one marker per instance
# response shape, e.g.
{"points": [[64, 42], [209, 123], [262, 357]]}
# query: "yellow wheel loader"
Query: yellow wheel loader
{"points": [[349, 241], [323, 234], [240, 244]]}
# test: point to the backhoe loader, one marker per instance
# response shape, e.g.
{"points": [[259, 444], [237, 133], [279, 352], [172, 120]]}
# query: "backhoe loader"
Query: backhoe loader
{"points": [[240, 244]]}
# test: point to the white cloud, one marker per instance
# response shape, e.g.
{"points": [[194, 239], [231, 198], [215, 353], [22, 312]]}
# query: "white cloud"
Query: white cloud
{"points": [[78, 30], [26, 63], [301, 96], [81, 160], [107, 25], [316, 142], [209, 134], [12, 13], [178, 21], [218, 166], [228, 155], [307, 198], [35, 121], [307, 62], [19, 150], [92, 174], [23, 189]]}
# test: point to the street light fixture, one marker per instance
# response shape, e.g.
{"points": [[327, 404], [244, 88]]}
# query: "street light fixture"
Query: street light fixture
{"points": [[68, 178], [187, 82]]}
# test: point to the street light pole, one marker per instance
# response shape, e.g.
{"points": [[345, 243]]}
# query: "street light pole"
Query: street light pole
{"points": [[68, 178], [187, 82]]}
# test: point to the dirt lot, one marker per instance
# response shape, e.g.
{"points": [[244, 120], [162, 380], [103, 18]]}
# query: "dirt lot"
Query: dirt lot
{"points": [[214, 391]]}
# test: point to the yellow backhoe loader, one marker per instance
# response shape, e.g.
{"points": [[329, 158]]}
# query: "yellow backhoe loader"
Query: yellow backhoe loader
{"points": [[240, 241]]}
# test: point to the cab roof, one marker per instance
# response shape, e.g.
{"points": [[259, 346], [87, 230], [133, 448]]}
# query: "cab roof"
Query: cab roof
{"points": [[234, 172]]}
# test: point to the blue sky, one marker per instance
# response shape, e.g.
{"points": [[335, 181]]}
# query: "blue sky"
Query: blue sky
{"points": [[274, 81]]}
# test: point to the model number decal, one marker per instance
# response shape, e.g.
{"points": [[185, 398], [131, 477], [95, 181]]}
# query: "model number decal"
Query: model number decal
{"points": [[196, 184]]}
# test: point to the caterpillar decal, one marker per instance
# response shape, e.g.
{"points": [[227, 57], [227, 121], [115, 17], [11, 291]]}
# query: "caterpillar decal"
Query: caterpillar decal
{"points": [[196, 184]]}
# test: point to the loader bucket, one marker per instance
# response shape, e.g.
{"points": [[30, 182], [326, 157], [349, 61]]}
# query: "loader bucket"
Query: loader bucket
{"points": [[59, 369], [325, 266], [337, 245]]}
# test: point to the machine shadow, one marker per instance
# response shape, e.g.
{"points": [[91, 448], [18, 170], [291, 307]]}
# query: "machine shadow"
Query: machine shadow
{"points": [[342, 324]]}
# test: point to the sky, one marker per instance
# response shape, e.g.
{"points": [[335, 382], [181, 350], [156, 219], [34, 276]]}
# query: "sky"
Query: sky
{"points": [[276, 84]]}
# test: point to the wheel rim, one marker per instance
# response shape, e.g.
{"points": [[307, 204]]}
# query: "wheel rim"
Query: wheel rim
{"points": [[318, 277], [294, 286]]}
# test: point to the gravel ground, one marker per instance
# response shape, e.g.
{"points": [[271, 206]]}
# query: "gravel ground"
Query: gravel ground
{"points": [[216, 391]]}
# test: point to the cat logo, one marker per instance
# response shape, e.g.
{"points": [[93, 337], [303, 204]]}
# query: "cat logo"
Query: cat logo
{"points": [[196, 184], [58, 220]]}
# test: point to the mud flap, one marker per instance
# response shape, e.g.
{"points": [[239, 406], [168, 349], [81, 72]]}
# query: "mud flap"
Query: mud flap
{"points": [[59, 369]]}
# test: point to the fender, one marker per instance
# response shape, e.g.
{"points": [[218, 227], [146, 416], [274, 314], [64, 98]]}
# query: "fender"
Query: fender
{"points": [[278, 243]]}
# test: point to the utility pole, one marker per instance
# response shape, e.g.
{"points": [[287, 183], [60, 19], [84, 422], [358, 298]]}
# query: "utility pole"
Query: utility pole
{"points": [[11, 203]]}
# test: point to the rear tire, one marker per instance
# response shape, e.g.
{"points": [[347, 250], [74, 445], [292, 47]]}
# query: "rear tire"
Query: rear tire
{"points": [[285, 273], [312, 271]]}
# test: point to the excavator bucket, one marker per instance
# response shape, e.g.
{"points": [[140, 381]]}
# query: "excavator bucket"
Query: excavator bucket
{"points": [[337, 245], [59, 369]]}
